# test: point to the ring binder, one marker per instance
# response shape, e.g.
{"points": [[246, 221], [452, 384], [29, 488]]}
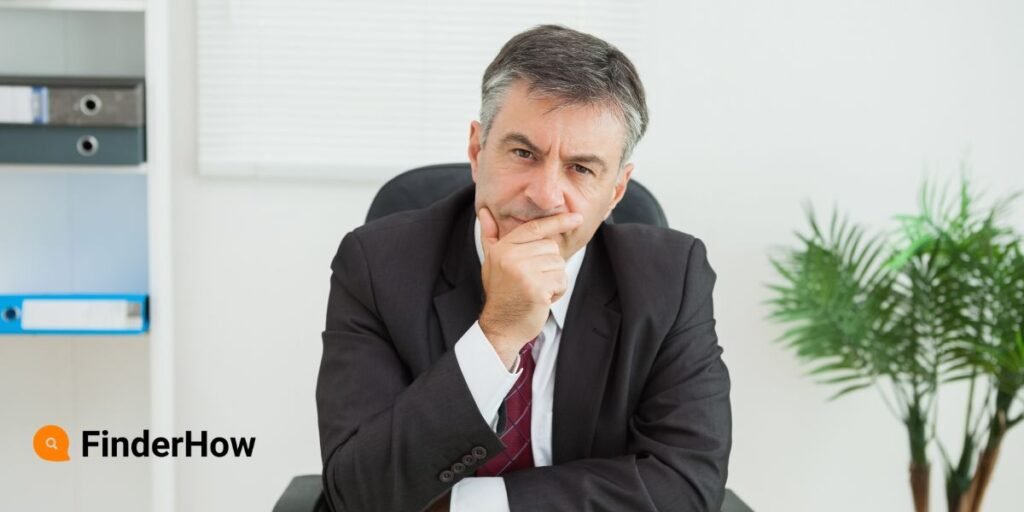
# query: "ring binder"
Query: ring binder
{"points": [[72, 101], [73, 314], [62, 120], [123, 145]]}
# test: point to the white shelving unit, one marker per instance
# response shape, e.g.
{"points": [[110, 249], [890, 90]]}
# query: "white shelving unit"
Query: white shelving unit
{"points": [[78, 5], [92, 382], [161, 285]]}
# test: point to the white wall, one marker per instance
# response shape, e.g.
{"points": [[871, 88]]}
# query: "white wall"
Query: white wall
{"points": [[756, 107]]}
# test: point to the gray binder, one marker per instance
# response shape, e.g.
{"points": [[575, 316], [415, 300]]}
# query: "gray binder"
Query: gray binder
{"points": [[87, 101], [96, 106], [83, 145]]}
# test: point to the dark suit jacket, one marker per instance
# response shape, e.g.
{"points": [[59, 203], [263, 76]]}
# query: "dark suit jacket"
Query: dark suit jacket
{"points": [[641, 418]]}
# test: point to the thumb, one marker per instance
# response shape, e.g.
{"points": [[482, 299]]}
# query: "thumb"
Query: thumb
{"points": [[488, 228]]}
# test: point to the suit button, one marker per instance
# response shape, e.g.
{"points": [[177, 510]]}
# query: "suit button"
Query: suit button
{"points": [[479, 452], [468, 459], [458, 467], [446, 476]]}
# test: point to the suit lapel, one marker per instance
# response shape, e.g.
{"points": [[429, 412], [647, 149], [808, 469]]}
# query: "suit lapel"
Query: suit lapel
{"points": [[584, 356], [460, 305]]}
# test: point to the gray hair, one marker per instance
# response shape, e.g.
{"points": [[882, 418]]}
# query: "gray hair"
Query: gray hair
{"points": [[570, 65]]}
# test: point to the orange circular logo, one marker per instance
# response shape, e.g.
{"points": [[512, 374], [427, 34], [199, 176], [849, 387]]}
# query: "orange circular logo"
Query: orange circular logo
{"points": [[51, 443]]}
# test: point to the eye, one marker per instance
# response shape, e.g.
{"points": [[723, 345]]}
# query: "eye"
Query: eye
{"points": [[522, 153], [582, 170]]}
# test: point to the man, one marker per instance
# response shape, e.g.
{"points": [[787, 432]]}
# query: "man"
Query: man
{"points": [[507, 349]]}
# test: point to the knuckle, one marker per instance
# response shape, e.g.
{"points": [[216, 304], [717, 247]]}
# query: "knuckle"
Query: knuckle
{"points": [[505, 265]]}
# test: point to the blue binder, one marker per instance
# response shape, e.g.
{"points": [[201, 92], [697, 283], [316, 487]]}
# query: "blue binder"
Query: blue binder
{"points": [[74, 314]]}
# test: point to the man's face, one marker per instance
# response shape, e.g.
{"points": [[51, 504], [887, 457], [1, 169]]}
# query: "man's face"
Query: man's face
{"points": [[543, 158]]}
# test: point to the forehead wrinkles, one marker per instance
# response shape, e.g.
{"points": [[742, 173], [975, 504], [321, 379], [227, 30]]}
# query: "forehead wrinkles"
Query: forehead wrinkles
{"points": [[581, 141]]}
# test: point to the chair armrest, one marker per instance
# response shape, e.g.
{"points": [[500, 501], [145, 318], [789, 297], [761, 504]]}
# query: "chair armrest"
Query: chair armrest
{"points": [[303, 494], [733, 503]]}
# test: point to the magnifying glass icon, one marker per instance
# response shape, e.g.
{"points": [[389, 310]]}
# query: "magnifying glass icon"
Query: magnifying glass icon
{"points": [[51, 443]]}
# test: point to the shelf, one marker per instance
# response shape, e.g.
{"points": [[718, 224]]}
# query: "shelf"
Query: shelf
{"points": [[77, 169], [71, 338], [77, 5]]}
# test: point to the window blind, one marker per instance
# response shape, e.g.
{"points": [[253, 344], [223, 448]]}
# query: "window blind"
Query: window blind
{"points": [[360, 89]]}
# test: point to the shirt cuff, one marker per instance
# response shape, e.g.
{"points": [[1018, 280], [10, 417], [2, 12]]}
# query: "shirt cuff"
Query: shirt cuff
{"points": [[479, 494], [488, 379]]}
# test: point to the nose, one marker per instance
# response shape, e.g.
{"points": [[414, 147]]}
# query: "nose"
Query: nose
{"points": [[545, 187]]}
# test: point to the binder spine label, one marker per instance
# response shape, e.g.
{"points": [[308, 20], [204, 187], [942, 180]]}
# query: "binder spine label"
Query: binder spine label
{"points": [[40, 105]]}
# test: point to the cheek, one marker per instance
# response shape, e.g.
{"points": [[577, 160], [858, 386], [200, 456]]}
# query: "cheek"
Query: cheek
{"points": [[493, 187], [507, 191], [596, 192], [591, 203]]}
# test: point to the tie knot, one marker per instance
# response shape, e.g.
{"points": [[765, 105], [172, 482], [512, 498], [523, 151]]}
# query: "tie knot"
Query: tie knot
{"points": [[528, 347]]}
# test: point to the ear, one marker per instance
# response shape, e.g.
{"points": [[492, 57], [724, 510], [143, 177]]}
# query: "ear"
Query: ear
{"points": [[474, 147], [619, 190]]}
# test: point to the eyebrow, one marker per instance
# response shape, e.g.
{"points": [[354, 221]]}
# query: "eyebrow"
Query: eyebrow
{"points": [[519, 138]]}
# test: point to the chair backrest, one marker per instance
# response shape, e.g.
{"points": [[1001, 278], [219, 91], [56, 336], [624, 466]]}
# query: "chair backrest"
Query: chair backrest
{"points": [[423, 186]]}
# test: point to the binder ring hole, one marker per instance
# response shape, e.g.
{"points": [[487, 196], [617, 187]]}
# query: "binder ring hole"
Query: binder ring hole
{"points": [[90, 104], [87, 145], [11, 314]]}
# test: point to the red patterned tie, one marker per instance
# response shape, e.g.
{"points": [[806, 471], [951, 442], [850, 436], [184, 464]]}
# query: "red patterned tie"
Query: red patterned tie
{"points": [[518, 453]]}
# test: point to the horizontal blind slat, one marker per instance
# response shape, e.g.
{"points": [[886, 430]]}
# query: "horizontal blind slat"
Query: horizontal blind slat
{"points": [[328, 85]]}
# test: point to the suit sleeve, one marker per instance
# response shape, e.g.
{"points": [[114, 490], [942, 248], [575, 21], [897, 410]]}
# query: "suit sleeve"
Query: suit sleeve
{"points": [[389, 441], [680, 435]]}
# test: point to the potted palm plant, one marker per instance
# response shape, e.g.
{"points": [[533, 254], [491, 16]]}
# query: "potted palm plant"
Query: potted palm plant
{"points": [[939, 300]]}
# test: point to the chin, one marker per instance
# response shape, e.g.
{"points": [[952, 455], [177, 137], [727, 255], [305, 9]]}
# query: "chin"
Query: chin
{"points": [[511, 223]]}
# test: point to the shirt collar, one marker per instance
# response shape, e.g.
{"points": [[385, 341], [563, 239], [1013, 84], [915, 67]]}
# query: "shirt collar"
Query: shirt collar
{"points": [[572, 270]]}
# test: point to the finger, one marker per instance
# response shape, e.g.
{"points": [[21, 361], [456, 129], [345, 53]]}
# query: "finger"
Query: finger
{"points": [[559, 280], [542, 263], [488, 228], [545, 227], [534, 248]]}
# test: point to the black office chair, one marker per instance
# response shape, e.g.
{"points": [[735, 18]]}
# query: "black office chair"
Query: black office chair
{"points": [[420, 188]]}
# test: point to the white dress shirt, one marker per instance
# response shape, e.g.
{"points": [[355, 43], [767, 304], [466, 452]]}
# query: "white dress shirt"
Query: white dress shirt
{"points": [[489, 382]]}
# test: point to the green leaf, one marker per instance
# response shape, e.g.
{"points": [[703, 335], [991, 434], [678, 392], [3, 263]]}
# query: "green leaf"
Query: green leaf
{"points": [[850, 389]]}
